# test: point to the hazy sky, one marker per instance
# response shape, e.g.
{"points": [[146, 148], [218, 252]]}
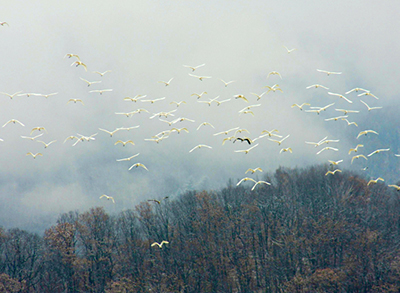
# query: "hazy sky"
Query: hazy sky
{"points": [[143, 42]]}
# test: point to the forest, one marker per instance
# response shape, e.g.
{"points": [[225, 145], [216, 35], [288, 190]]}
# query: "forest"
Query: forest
{"points": [[306, 232]]}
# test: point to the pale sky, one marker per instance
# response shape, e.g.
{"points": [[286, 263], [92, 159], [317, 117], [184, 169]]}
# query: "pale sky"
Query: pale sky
{"points": [[144, 42]]}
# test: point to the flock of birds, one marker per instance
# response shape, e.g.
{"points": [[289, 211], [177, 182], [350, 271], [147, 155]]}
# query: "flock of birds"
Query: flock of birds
{"points": [[232, 135]]}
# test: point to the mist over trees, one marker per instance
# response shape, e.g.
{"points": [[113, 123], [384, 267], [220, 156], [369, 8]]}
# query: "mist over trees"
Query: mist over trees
{"points": [[306, 232]]}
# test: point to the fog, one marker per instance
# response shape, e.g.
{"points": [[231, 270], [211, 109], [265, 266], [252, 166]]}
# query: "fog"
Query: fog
{"points": [[144, 42]]}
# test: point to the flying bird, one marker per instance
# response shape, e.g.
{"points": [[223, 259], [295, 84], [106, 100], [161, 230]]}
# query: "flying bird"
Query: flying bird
{"points": [[368, 93], [78, 62], [395, 186], [205, 123], [347, 111], [284, 150], [46, 145], [274, 73], [100, 91], [199, 95], [3, 23], [356, 90], [111, 133], [335, 163], [89, 83], [370, 108], [200, 146], [253, 170], [32, 138], [357, 157], [75, 100], [378, 151], [226, 131], [327, 148], [124, 143], [178, 103], [39, 128], [200, 77], [227, 83], [246, 151], [135, 98], [11, 95], [317, 86], [375, 180], [166, 82], [108, 197], [289, 50], [328, 72], [129, 158], [13, 121], [194, 67], [72, 55], [340, 96], [245, 179], [356, 148], [300, 106], [350, 123], [136, 165], [34, 155], [333, 172], [279, 141], [241, 97], [365, 132], [260, 182], [160, 244], [260, 95], [158, 201], [102, 73]]}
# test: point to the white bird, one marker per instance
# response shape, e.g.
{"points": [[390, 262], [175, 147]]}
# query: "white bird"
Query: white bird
{"points": [[166, 82], [245, 179], [317, 86], [284, 150], [200, 146], [124, 143], [39, 128], [128, 128], [47, 95], [128, 159], [34, 155], [260, 95], [75, 100], [357, 157], [101, 91], [249, 107], [319, 109], [328, 72], [336, 118], [367, 93], [315, 144], [271, 132], [13, 121], [332, 172], [220, 102], [32, 138], [260, 182], [273, 88], [205, 123], [199, 95], [78, 62], [194, 67], [241, 97], [102, 73], [370, 108], [356, 90], [136, 165], [108, 197], [300, 106], [178, 103], [340, 96], [160, 244], [72, 55], [135, 98], [46, 144], [200, 77], [350, 123], [227, 83], [327, 148], [153, 101], [356, 148], [71, 137], [335, 162], [279, 141], [378, 151], [365, 132], [226, 131], [347, 111], [289, 50], [89, 83], [246, 151], [111, 133], [253, 170], [375, 180], [11, 95], [3, 23], [274, 73]]}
